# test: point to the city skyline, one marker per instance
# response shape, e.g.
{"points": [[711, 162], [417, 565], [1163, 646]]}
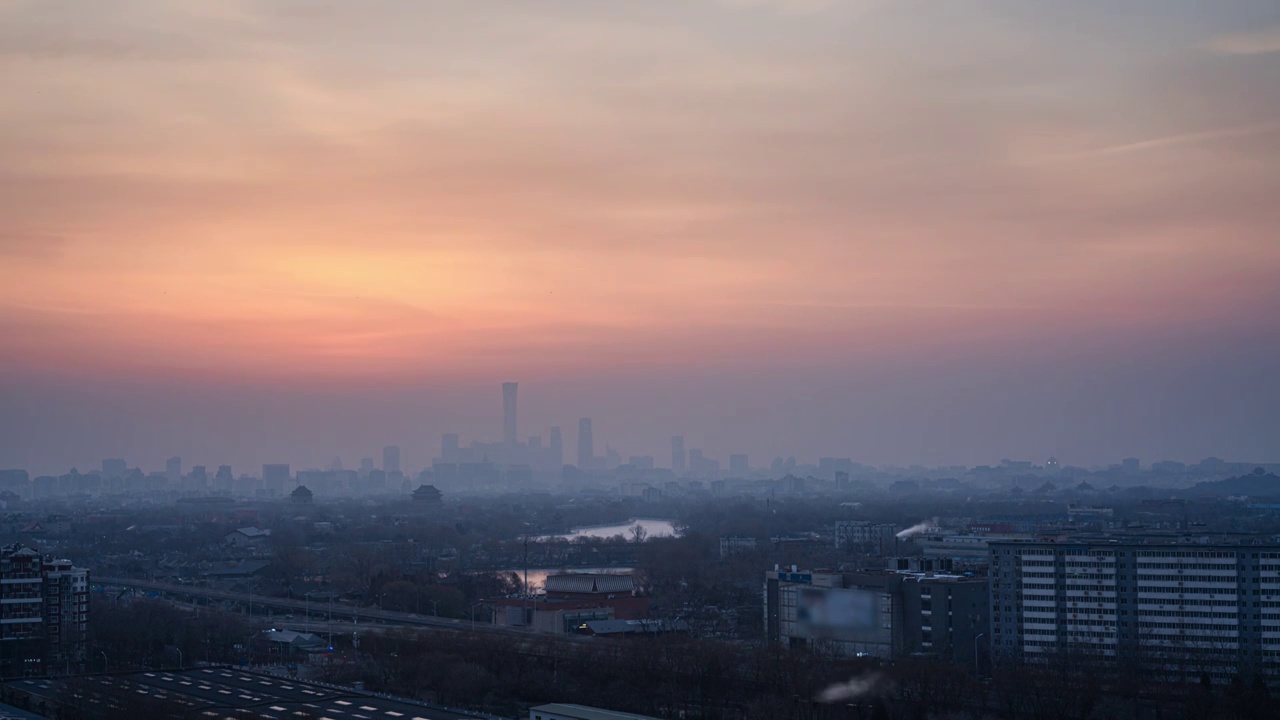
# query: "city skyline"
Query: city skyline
{"points": [[892, 231], [506, 448]]}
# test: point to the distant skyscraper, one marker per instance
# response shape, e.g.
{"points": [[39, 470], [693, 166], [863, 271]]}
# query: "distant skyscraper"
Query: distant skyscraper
{"points": [[557, 447], [678, 457], [586, 444], [738, 466], [696, 460], [223, 480], [366, 466], [275, 477], [173, 469], [449, 444], [391, 459], [509, 413], [114, 468], [199, 478]]}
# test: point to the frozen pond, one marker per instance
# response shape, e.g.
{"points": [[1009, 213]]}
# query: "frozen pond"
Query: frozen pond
{"points": [[653, 528]]}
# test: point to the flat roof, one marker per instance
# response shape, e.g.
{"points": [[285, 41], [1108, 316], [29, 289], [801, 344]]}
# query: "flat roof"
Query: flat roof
{"points": [[8, 712], [227, 692], [1234, 542], [582, 712]]}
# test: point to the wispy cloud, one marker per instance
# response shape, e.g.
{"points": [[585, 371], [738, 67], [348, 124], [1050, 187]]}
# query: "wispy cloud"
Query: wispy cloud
{"points": [[1250, 42], [1187, 139], [1163, 142]]}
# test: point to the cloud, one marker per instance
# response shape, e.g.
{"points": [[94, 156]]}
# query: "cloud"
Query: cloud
{"points": [[1175, 140], [1251, 42]]}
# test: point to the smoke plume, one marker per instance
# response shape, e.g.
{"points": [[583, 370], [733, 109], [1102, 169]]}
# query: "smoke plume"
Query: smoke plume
{"points": [[851, 689], [921, 527]]}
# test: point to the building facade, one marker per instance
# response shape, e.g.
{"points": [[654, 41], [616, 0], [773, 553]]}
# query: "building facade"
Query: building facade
{"points": [[44, 614], [1183, 607], [880, 613], [864, 534]]}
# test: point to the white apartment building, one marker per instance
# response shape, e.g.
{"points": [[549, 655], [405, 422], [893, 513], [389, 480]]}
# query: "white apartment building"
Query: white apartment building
{"points": [[1185, 606]]}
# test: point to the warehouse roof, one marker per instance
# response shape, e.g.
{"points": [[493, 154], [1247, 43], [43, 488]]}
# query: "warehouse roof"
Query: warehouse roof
{"points": [[582, 712], [226, 692]]}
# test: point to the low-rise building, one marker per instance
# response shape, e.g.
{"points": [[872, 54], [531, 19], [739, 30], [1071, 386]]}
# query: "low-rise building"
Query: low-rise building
{"points": [[880, 613], [247, 537], [730, 545], [557, 617], [571, 600], [880, 537]]}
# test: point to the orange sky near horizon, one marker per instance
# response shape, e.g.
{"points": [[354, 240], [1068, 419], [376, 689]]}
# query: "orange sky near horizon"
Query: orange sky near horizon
{"points": [[332, 190]]}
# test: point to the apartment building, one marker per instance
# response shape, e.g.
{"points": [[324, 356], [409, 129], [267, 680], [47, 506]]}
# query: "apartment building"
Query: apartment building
{"points": [[44, 613], [66, 615], [1184, 606], [878, 613]]}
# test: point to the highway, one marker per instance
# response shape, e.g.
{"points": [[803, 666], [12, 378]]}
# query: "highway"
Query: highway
{"points": [[312, 610]]}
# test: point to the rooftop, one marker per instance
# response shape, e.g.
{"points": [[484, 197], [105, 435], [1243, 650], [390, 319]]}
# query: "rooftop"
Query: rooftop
{"points": [[589, 583], [243, 695], [582, 712]]}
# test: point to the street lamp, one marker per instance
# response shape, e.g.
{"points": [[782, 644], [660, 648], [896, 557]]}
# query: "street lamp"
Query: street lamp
{"points": [[104, 660], [473, 613], [977, 666], [179, 651]]}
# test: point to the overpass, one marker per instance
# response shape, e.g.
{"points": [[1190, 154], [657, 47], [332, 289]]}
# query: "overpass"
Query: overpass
{"points": [[311, 611]]}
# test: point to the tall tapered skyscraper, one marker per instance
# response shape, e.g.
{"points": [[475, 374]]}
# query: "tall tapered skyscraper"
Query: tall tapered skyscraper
{"points": [[586, 444], [509, 413], [557, 447]]}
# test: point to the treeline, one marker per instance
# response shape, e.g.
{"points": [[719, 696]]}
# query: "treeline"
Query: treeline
{"points": [[708, 680], [689, 678]]}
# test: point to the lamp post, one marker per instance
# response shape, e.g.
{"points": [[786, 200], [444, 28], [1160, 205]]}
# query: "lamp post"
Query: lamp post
{"points": [[473, 613], [977, 666], [104, 660], [179, 651]]}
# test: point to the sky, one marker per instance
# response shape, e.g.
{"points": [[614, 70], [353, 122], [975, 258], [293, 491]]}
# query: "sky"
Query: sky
{"points": [[904, 231]]}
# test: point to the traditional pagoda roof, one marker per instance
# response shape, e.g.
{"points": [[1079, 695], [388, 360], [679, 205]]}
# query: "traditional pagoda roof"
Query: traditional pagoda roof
{"points": [[427, 493]]}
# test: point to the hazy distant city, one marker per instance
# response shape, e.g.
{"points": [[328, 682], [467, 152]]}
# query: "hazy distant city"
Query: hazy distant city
{"points": [[516, 463]]}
